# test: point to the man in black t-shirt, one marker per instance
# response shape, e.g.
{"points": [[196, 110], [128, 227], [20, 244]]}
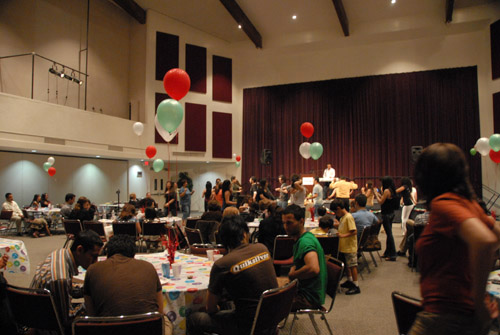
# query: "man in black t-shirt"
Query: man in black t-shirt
{"points": [[244, 273]]}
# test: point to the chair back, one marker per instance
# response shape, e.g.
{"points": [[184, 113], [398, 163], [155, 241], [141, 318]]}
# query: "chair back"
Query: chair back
{"points": [[330, 245], [72, 227], [148, 323], [405, 310], [335, 270], [34, 308], [364, 237], [207, 229], [375, 228], [417, 231], [193, 236], [191, 222], [283, 247], [274, 305], [153, 228], [6, 215], [125, 228], [95, 226]]}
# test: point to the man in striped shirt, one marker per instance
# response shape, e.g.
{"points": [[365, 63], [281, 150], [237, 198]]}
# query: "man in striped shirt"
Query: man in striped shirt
{"points": [[57, 271]]}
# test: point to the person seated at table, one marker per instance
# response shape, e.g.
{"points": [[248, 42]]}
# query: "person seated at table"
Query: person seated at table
{"points": [[66, 209], [150, 212], [128, 214], [308, 259], [325, 227], [122, 285], [134, 201], [56, 272], [45, 202], [230, 211], [362, 217], [270, 226], [36, 201], [149, 197], [83, 210], [214, 213], [17, 213], [244, 273]]}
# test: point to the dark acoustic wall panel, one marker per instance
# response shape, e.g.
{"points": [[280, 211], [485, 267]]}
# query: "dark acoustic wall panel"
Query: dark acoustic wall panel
{"points": [[222, 79], [195, 127], [167, 53], [196, 67], [159, 97], [222, 135], [495, 49], [496, 112]]}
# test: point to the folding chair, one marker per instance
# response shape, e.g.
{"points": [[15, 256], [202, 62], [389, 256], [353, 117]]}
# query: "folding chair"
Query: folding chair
{"points": [[71, 228], [125, 228], [283, 250], [374, 231], [405, 310], [335, 270], [330, 245], [34, 308], [152, 232], [191, 222], [273, 307], [148, 323], [193, 236], [95, 226], [207, 229], [5, 217], [362, 241]]}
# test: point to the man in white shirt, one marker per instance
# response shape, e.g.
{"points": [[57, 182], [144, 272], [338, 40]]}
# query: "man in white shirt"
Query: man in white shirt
{"points": [[329, 172], [17, 214]]}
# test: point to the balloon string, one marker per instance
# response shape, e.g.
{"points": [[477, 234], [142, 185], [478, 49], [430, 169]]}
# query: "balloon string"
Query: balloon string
{"points": [[168, 161], [177, 175]]}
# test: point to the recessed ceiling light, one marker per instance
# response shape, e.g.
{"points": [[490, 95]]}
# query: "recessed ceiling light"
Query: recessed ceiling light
{"points": [[97, 156], [393, 1], [294, 17], [33, 150], [239, 26]]}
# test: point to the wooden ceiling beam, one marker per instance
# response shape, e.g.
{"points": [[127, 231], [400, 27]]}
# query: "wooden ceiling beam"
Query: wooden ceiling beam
{"points": [[449, 10], [133, 9], [344, 22], [239, 16]]}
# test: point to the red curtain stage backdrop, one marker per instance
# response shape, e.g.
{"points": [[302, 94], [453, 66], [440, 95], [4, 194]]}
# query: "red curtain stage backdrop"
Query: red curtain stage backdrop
{"points": [[367, 125]]}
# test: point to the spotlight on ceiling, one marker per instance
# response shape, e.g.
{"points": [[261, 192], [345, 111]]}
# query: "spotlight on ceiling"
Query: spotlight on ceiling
{"points": [[239, 26], [294, 17], [393, 2]]}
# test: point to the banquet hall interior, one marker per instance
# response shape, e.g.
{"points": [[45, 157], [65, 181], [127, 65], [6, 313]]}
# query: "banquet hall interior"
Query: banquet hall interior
{"points": [[379, 80]]}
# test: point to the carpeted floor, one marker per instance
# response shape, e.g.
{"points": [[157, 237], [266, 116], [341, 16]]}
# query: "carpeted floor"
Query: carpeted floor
{"points": [[367, 313]]}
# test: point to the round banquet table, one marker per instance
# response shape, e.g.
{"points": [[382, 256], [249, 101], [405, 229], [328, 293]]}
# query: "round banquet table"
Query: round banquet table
{"points": [[18, 256]]}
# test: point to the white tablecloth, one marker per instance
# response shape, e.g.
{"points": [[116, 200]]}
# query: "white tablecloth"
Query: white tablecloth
{"points": [[18, 256]]}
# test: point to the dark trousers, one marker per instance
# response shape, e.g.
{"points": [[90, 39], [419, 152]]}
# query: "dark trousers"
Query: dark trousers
{"points": [[223, 322], [390, 247]]}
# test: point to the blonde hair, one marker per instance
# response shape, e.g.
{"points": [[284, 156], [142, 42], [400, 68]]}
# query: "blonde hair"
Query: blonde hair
{"points": [[229, 211]]}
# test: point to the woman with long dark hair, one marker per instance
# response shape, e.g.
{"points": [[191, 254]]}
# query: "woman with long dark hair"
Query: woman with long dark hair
{"points": [[36, 201], [385, 200], [369, 192], [170, 206], [207, 194], [226, 195], [456, 248], [408, 201]]}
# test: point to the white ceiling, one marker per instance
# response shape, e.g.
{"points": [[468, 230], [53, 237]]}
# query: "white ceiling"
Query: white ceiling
{"points": [[273, 18]]}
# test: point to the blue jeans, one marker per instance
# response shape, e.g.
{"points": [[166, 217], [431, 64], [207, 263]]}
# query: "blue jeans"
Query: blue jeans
{"points": [[186, 211], [390, 247]]}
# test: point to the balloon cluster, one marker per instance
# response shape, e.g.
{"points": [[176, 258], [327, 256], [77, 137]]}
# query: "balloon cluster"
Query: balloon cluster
{"points": [[238, 160], [158, 163], [306, 149], [47, 166], [488, 146]]}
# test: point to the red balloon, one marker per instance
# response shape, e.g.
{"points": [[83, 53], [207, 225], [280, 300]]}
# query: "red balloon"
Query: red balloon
{"points": [[307, 129], [176, 83], [51, 171], [238, 158], [495, 156], [151, 151]]}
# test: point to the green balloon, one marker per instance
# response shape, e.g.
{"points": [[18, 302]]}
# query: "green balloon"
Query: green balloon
{"points": [[170, 114], [473, 152], [316, 150], [158, 165], [46, 166], [238, 164], [495, 142]]}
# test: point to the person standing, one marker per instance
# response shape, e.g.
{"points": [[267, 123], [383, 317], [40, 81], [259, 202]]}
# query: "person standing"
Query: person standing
{"points": [[17, 214], [343, 190], [406, 191], [297, 191], [170, 207], [317, 195], [329, 172], [207, 194], [283, 189], [185, 194], [386, 205], [455, 250], [226, 195]]}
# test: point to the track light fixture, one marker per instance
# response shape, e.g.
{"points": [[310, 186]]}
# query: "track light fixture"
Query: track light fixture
{"points": [[62, 74]]}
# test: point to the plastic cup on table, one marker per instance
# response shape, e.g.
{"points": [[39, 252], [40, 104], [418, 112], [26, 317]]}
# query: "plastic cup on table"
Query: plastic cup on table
{"points": [[210, 255], [165, 267], [177, 269]]}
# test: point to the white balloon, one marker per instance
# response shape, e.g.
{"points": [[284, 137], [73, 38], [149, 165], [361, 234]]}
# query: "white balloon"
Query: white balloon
{"points": [[138, 128], [304, 150], [51, 160], [163, 133], [483, 146]]}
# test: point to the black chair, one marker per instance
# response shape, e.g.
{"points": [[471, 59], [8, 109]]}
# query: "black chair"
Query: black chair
{"points": [[405, 310], [34, 308], [95, 226], [283, 250], [207, 229], [152, 232], [335, 270], [191, 222], [374, 231], [273, 307], [125, 228], [71, 228], [148, 323], [193, 236], [362, 241], [330, 245], [5, 216]]}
